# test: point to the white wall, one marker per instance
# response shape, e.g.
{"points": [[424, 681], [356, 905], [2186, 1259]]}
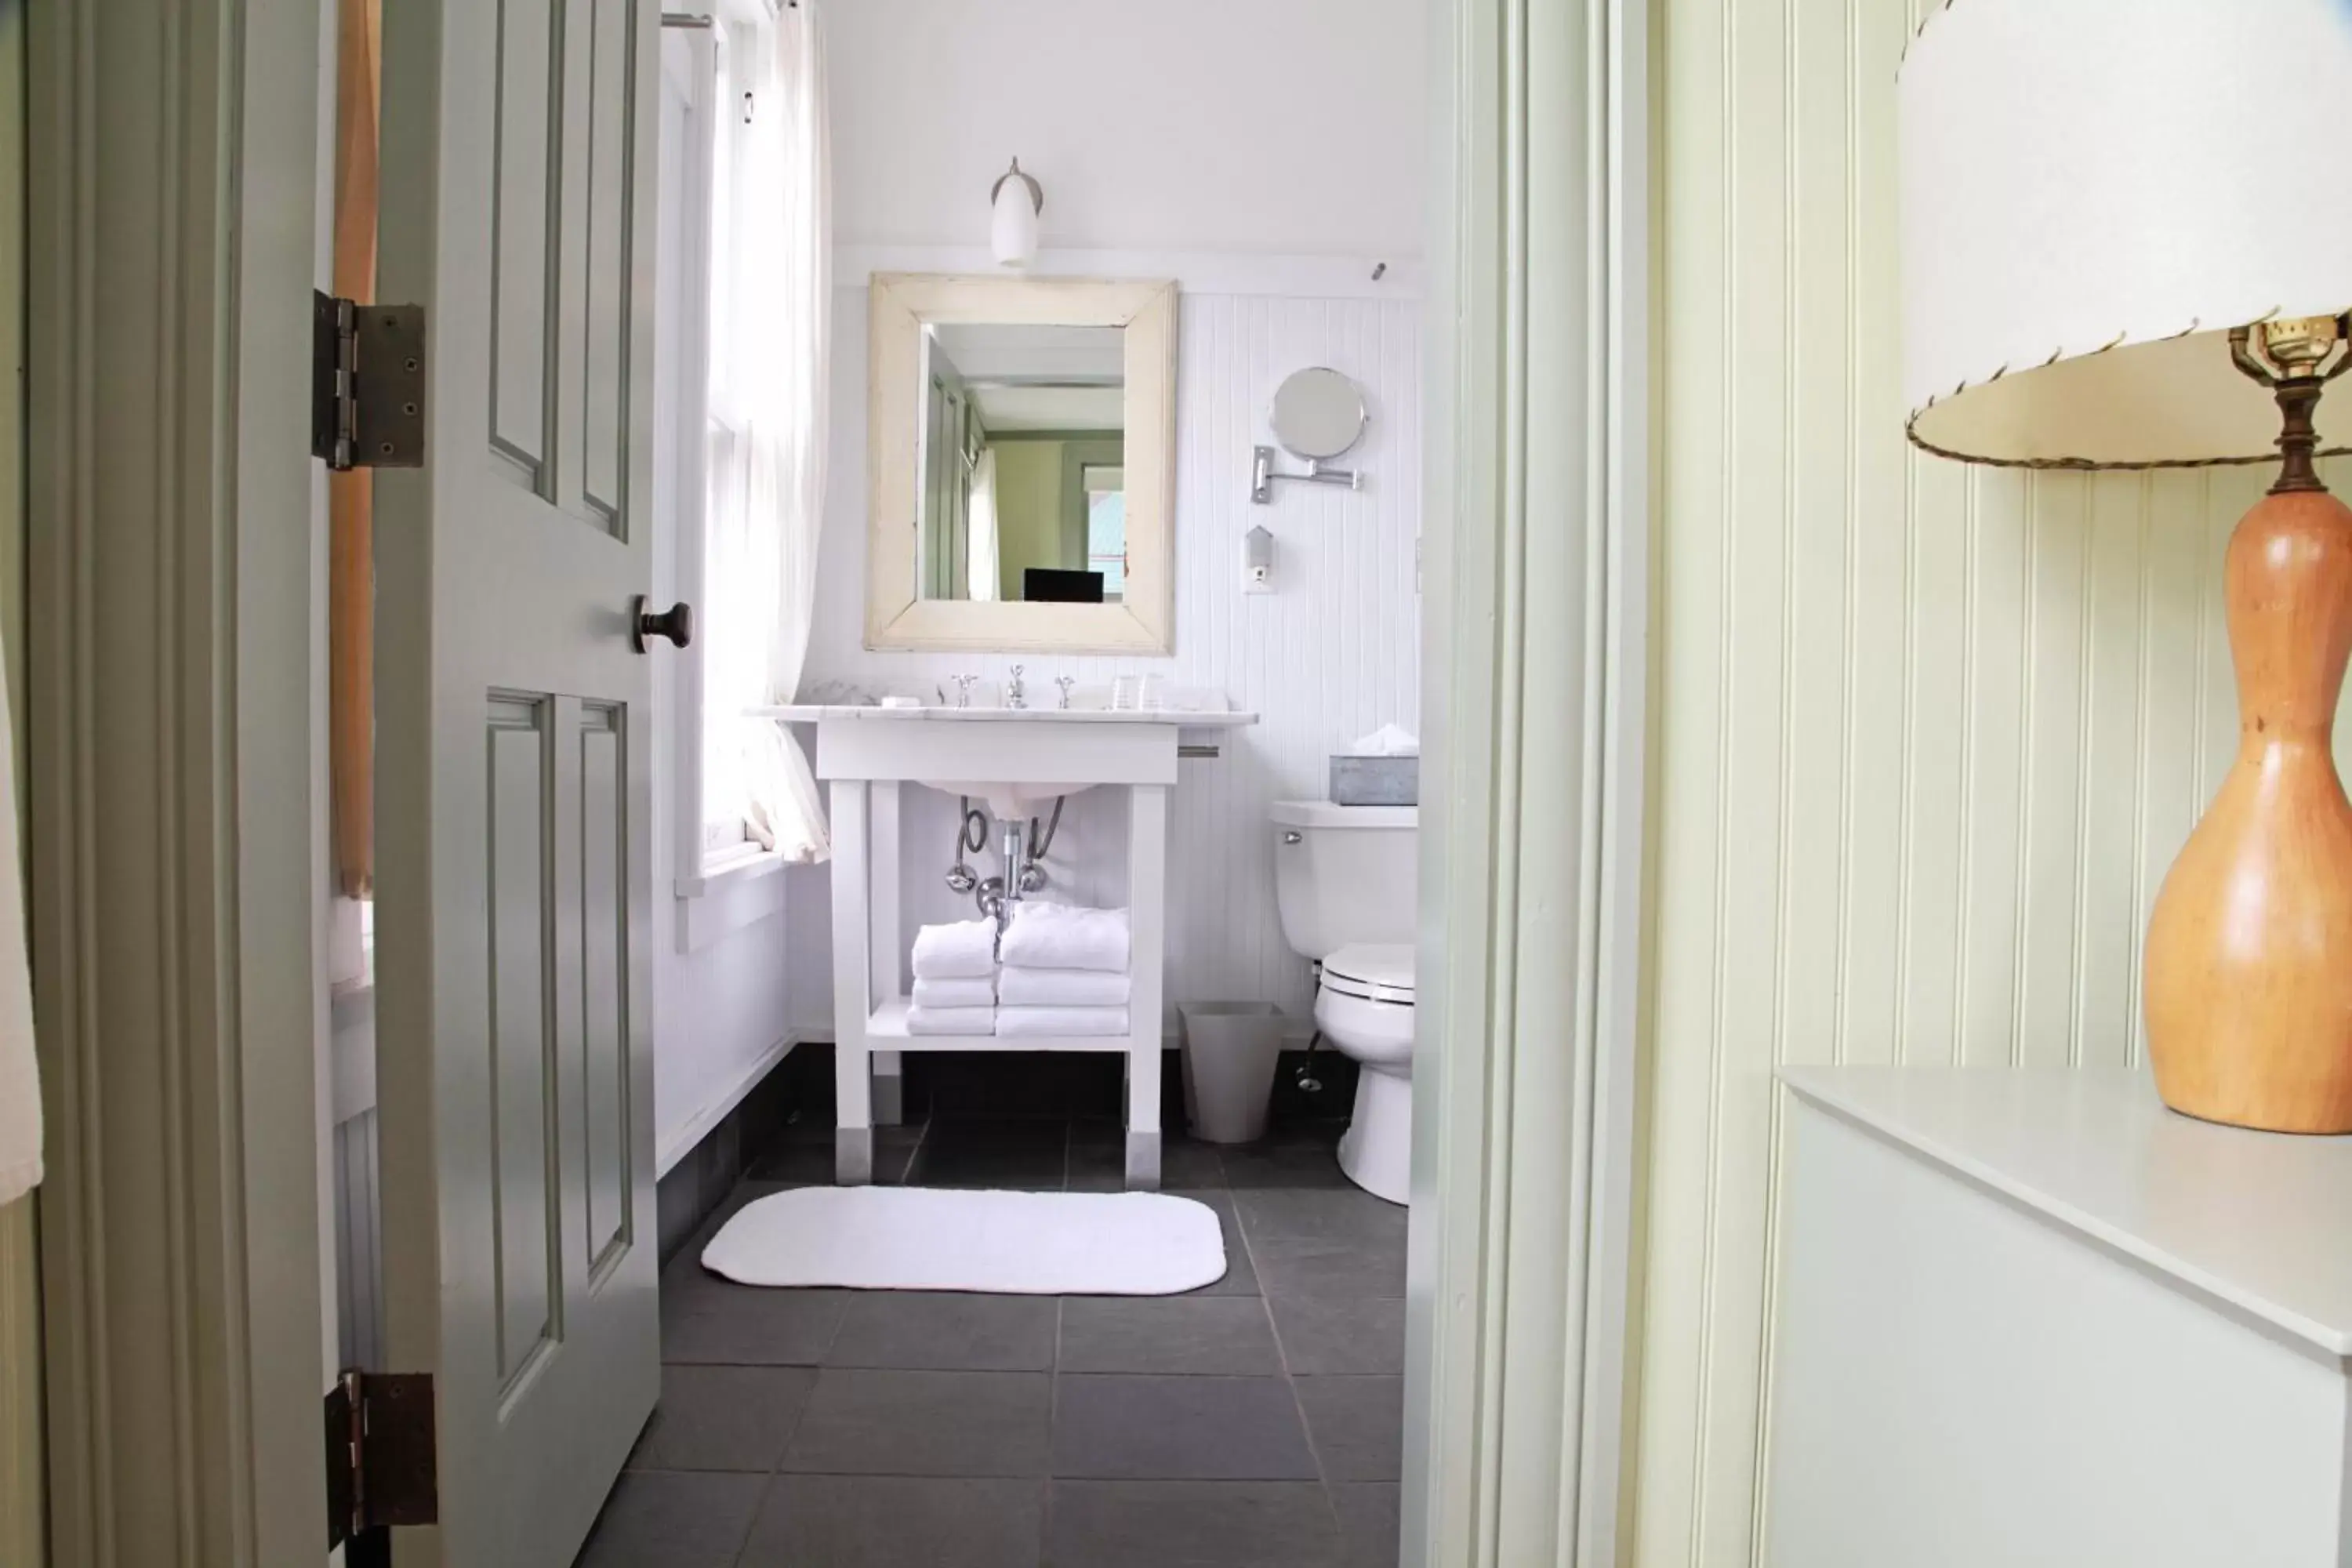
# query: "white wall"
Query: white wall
{"points": [[1928, 736], [1216, 142], [718, 1011], [1209, 125]]}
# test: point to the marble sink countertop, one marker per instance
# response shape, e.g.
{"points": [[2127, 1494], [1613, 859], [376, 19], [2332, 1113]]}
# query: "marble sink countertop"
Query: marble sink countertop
{"points": [[1182, 719]]}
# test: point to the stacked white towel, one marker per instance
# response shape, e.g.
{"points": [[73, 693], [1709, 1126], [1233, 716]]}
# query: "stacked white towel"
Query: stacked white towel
{"points": [[1020, 986], [955, 980], [976, 991], [965, 950], [1048, 1022], [1065, 972], [922, 1020]]}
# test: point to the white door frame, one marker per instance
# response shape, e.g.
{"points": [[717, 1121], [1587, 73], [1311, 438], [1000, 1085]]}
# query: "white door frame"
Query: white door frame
{"points": [[170, 596], [1536, 678], [171, 737]]}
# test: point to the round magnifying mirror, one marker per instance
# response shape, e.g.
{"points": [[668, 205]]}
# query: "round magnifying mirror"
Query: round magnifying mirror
{"points": [[1317, 414]]}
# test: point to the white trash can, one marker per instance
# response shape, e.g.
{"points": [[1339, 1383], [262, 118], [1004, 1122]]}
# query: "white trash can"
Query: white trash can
{"points": [[1231, 1049]]}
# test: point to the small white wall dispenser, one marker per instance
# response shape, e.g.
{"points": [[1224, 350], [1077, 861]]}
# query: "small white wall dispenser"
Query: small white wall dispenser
{"points": [[1257, 560]]}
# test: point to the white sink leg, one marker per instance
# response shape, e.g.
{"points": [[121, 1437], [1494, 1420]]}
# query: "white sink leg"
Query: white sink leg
{"points": [[853, 1139], [1147, 899], [889, 944]]}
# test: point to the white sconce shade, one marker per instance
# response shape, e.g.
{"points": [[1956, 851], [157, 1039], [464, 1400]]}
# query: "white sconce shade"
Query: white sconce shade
{"points": [[2093, 194], [1013, 228]]}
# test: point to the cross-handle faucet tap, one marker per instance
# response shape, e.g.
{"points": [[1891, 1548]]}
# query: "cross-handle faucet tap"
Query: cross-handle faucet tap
{"points": [[963, 689], [1014, 695], [1065, 683]]}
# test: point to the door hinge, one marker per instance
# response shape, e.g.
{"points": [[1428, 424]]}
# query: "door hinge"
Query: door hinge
{"points": [[367, 384], [379, 1454]]}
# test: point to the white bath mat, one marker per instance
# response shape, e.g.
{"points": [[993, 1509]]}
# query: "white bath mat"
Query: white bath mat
{"points": [[1013, 1244]]}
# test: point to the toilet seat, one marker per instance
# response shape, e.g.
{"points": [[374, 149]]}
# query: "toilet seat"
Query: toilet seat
{"points": [[1376, 972]]}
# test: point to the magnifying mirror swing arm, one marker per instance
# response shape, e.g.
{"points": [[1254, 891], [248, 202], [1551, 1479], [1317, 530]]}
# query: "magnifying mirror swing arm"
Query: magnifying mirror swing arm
{"points": [[1263, 476]]}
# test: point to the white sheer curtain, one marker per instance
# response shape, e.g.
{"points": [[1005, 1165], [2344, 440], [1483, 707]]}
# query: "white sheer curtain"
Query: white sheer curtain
{"points": [[980, 526], [772, 297]]}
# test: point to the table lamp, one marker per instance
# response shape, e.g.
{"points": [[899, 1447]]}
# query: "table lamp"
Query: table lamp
{"points": [[2127, 245]]}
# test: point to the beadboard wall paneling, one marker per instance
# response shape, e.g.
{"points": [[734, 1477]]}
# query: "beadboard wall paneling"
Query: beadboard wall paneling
{"points": [[1333, 653], [1929, 735]]}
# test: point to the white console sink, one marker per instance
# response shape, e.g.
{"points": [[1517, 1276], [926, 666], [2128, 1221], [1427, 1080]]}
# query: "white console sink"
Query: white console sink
{"points": [[1017, 760], [961, 751], [1006, 800]]}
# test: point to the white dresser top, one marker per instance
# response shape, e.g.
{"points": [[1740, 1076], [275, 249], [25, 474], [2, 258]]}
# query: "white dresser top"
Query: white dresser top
{"points": [[2262, 1221]]}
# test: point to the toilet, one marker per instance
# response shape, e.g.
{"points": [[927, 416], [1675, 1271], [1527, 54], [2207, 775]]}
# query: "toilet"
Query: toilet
{"points": [[1343, 878]]}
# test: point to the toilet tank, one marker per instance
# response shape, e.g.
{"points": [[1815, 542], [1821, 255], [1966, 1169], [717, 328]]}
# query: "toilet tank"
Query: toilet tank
{"points": [[1343, 874]]}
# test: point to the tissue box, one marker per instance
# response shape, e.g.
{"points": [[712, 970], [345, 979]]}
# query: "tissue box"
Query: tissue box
{"points": [[1376, 780]]}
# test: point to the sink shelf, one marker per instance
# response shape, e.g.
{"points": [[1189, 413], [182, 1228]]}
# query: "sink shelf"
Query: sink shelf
{"points": [[829, 713], [887, 1023]]}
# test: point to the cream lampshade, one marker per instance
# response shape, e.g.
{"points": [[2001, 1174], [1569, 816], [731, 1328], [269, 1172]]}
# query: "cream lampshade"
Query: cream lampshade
{"points": [[2126, 245]]}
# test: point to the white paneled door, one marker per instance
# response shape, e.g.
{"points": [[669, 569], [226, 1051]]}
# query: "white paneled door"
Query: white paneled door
{"points": [[513, 788]]}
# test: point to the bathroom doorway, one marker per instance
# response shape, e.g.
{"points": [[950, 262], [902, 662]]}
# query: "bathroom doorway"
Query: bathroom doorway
{"points": [[1500, 1432]]}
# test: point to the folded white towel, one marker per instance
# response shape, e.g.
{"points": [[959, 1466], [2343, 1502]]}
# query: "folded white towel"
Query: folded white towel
{"points": [[1019, 987], [1061, 1021], [963, 951], [1061, 936], [974, 991], [950, 1020]]}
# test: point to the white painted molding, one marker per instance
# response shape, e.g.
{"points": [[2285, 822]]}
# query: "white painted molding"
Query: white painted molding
{"points": [[22, 1481], [1195, 272], [686, 518], [174, 875], [682, 1141], [351, 1053], [726, 901], [21, 1449], [1535, 607]]}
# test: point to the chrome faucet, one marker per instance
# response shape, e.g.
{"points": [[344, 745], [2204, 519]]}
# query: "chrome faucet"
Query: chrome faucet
{"points": [[963, 689], [1015, 696], [1065, 683]]}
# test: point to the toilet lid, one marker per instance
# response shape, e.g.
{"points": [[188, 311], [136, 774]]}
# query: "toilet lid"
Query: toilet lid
{"points": [[1377, 971]]}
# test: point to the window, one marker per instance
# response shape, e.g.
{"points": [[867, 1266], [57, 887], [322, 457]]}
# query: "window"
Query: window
{"points": [[746, 242], [1105, 490]]}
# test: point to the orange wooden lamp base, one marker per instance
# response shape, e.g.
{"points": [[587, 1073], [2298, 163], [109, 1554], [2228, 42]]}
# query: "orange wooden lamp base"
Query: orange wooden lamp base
{"points": [[2249, 971]]}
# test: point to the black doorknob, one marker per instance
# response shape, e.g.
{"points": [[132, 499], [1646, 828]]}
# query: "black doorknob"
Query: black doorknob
{"points": [[676, 622]]}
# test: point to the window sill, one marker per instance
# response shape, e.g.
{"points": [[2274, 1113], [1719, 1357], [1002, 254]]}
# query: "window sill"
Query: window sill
{"points": [[729, 894], [731, 868]]}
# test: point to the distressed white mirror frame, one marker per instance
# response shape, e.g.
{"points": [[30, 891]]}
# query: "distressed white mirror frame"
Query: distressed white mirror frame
{"points": [[898, 306]]}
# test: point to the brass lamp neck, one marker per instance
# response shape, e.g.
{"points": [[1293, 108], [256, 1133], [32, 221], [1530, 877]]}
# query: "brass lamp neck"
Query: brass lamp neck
{"points": [[2298, 442], [2295, 358]]}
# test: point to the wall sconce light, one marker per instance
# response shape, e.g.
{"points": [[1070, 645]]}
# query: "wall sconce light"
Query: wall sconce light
{"points": [[1017, 199]]}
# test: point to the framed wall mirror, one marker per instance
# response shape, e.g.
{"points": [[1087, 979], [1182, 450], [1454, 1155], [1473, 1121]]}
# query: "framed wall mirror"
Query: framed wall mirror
{"points": [[1021, 460]]}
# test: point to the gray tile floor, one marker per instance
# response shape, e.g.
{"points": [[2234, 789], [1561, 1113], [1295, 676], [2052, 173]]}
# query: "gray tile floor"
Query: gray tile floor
{"points": [[1256, 1422]]}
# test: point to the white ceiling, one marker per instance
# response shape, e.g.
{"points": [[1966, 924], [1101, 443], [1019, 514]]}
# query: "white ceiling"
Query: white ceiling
{"points": [[1009, 408]]}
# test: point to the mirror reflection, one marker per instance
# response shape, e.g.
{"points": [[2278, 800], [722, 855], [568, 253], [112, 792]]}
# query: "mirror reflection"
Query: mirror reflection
{"points": [[1318, 413], [1021, 456]]}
